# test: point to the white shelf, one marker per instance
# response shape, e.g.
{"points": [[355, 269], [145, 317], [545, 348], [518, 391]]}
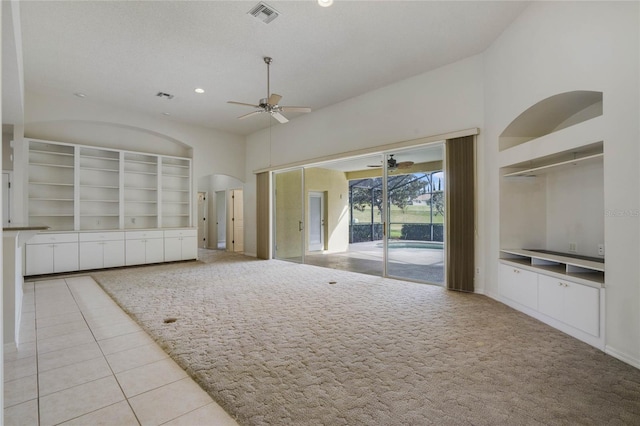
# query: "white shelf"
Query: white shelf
{"points": [[585, 271], [552, 167], [74, 178]]}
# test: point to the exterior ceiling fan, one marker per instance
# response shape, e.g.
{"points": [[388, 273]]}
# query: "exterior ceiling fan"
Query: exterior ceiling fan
{"points": [[392, 164], [270, 103]]}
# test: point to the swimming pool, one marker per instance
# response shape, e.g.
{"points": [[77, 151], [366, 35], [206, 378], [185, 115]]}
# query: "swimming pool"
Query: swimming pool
{"points": [[414, 244]]}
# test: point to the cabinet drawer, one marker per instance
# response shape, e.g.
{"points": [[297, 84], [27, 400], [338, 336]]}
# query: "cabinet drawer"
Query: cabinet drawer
{"points": [[140, 235], [181, 233], [54, 238], [101, 236]]}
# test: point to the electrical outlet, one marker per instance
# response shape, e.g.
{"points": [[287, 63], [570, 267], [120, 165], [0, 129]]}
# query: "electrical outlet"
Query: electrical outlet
{"points": [[478, 271], [573, 247], [600, 249]]}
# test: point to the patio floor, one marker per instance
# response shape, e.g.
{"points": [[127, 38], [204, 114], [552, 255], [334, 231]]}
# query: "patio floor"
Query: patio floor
{"points": [[420, 264]]}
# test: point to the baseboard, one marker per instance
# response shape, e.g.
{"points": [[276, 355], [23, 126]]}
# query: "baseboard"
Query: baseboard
{"points": [[634, 362]]}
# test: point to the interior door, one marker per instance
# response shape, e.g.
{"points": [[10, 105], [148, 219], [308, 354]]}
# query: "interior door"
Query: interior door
{"points": [[316, 221], [202, 220], [288, 215], [238, 220], [221, 220]]}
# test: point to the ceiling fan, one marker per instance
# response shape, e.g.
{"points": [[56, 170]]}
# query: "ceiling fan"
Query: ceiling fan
{"points": [[392, 164], [270, 103]]}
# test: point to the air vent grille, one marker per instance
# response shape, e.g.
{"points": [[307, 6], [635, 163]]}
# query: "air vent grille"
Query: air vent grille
{"points": [[264, 12]]}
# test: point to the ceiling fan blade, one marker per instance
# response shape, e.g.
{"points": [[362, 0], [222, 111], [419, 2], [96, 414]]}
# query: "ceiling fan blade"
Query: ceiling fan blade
{"points": [[404, 164], [374, 165], [295, 109], [281, 118], [242, 103], [249, 115], [274, 99]]}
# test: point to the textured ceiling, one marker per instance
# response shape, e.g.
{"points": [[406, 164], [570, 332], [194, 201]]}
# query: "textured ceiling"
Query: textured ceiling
{"points": [[123, 53]]}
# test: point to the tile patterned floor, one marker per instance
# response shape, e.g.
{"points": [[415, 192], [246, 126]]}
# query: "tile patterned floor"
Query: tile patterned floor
{"points": [[83, 361]]}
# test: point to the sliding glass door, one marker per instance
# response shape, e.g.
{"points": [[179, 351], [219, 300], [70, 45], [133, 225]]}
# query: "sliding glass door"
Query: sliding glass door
{"points": [[380, 214], [415, 214], [289, 214]]}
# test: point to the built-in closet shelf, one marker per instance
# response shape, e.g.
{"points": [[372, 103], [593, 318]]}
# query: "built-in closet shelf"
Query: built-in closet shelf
{"points": [[37, 151], [61, 166], [50, 183], [583, 271], [553, 167]]}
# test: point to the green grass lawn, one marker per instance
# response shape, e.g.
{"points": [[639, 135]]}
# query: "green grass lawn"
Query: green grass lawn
{"points": [[411, 214]]}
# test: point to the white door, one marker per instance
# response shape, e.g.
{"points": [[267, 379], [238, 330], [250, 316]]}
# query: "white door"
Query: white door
{"points": [[316, 221], [6, 199], [238, 220], [221, 219]]}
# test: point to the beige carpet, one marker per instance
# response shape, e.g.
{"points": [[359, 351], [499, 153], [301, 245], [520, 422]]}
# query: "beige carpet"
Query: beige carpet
{"points": [[276, 344]]}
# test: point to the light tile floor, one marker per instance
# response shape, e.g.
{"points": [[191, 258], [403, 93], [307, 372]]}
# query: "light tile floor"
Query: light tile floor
{"points": [[83, 361]]}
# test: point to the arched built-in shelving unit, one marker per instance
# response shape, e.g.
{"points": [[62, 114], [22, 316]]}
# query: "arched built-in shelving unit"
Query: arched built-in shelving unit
{"points": [[552, 213]]}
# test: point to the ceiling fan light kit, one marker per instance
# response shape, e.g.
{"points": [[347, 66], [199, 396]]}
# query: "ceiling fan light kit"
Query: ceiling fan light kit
{"points": [[270, 104]]}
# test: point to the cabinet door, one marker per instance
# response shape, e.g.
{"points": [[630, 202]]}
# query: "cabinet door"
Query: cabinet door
{"points": [[189, 248], [172, 249], [582, 307], [155, 250], [39, 259], [91, 255], [551, 297], [65, 257], [519, 285], [113, 253], [135, 252]]}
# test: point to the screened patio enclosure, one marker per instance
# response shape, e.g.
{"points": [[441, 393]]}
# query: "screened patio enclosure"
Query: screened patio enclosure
{"points": [[368, 215]]}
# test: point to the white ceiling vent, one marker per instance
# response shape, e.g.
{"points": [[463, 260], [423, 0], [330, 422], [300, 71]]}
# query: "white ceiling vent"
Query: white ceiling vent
{"points": [[264, 12]]}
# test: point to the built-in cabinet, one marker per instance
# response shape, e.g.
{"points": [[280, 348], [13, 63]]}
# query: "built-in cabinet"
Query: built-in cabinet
{"points": [[55, 252], [101, 249], [551, 260], [144, 247], [180, 244], [51, 253], [106, 208]]}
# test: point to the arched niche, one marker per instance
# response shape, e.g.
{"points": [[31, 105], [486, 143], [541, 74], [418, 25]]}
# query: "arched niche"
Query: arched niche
{"points": [[550, 115], [217, 230], [108, 135]]}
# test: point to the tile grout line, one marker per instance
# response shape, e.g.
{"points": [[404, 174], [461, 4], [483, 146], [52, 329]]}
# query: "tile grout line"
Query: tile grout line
{"points": [[35, 324], [106, 360]]}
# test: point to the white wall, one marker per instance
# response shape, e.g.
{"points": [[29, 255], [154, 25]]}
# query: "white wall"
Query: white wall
{"points": [[574, 209], [555, 47], [444, 100]]}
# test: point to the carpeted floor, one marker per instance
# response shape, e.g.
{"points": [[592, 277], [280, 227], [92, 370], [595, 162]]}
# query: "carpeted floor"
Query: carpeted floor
{"points": [[276, 344]]}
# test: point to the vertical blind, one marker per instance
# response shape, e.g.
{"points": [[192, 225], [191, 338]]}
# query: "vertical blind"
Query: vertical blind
{"points": [[460, 211], [263, 213]]}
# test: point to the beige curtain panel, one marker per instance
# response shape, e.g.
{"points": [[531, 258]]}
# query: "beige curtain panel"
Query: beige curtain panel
{"points": [[460, 212]]}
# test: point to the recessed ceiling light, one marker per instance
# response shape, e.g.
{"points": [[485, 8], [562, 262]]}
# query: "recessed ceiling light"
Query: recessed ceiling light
{"points": [[166, 113], [80, 95], [199, 90], [325, 3]]}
